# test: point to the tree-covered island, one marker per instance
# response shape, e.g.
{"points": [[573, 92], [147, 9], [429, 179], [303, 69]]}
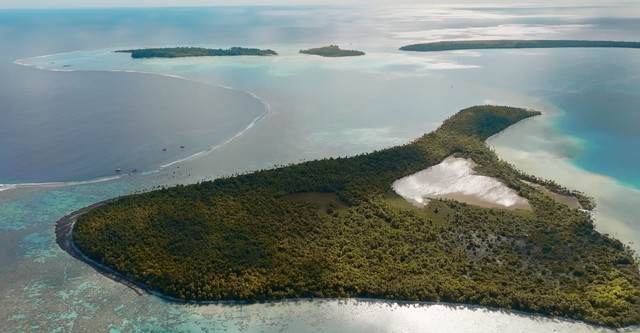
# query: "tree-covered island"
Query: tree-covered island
{"points": [[178, 52], [332, 51], [334, 228], [513, 44]]}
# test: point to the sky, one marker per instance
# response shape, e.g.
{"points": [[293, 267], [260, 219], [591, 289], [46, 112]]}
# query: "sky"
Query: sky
{"points": [[184, 3]]}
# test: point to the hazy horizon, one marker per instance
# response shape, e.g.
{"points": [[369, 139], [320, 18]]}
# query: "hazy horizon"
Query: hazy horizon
{"points": [[44, 4]]}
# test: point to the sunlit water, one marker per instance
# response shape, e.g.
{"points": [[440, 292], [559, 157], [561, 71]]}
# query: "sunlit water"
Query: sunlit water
{"points": [[280, 110]]}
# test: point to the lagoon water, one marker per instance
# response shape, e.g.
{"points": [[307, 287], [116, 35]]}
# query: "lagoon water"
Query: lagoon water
{"points": [[73, 111]]}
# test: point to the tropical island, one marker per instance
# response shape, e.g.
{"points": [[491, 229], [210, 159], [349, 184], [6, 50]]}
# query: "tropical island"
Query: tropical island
{"points": [[178, 52], [336, 228], [332, 51], [513, 44]]}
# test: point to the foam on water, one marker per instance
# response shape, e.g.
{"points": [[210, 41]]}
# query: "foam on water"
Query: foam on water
{"points": [[5, 187]]}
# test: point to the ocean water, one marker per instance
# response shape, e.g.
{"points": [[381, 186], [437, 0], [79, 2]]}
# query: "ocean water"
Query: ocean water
{"points": [[599, 104], [62, 86], [94, 124]]}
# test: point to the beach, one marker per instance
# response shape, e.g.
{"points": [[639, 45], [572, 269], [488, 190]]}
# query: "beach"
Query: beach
{"points": [[64, 239]]}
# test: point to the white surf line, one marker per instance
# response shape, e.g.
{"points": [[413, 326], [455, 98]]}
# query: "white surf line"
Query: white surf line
{"points": [[22, 60], [6, 187], [267, 108], [266, 105]]}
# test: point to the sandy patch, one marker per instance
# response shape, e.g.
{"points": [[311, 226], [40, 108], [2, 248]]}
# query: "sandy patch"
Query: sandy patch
{"points": [[455, 178], [568, 200]]}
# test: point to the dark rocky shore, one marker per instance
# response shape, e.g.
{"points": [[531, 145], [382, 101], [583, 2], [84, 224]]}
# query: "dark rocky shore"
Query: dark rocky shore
{"points": [[64, 239]]}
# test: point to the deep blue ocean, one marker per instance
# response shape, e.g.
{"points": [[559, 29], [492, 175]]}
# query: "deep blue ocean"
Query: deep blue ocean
{"points": [[72, 112]]}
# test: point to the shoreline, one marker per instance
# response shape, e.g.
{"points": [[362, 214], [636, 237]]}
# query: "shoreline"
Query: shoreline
{"points": [[64, 239]]}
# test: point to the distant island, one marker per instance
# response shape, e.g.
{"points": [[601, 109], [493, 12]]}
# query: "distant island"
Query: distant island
{"points": [[178, 52], [513, 44], [336, 228], [332, 51]]}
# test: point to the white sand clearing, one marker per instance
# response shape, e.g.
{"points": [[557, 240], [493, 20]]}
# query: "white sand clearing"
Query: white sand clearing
{"points": [[455, 178]]}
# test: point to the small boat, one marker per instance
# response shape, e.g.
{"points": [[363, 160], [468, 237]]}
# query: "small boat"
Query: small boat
{"points": [[134, 170], [164, 149], [118, 170], [182, 147]]}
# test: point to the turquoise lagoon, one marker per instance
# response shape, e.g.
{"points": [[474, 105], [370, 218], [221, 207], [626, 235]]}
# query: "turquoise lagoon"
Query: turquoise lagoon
{"points": [[242, 114]]}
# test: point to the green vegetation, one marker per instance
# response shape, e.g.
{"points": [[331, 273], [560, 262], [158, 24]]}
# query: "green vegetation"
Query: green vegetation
{"points": [[514, 44], [176, 52], [332, 51], [334, 228]]}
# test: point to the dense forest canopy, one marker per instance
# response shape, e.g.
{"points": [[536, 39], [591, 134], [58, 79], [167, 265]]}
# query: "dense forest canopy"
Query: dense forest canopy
{"points": [[334, 228], [176, 52], [332, 51], [514, 44]]}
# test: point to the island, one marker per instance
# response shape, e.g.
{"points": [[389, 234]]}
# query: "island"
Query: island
{"points": [[336, 228], [514, 44], [178, 52], [332, 51]]}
